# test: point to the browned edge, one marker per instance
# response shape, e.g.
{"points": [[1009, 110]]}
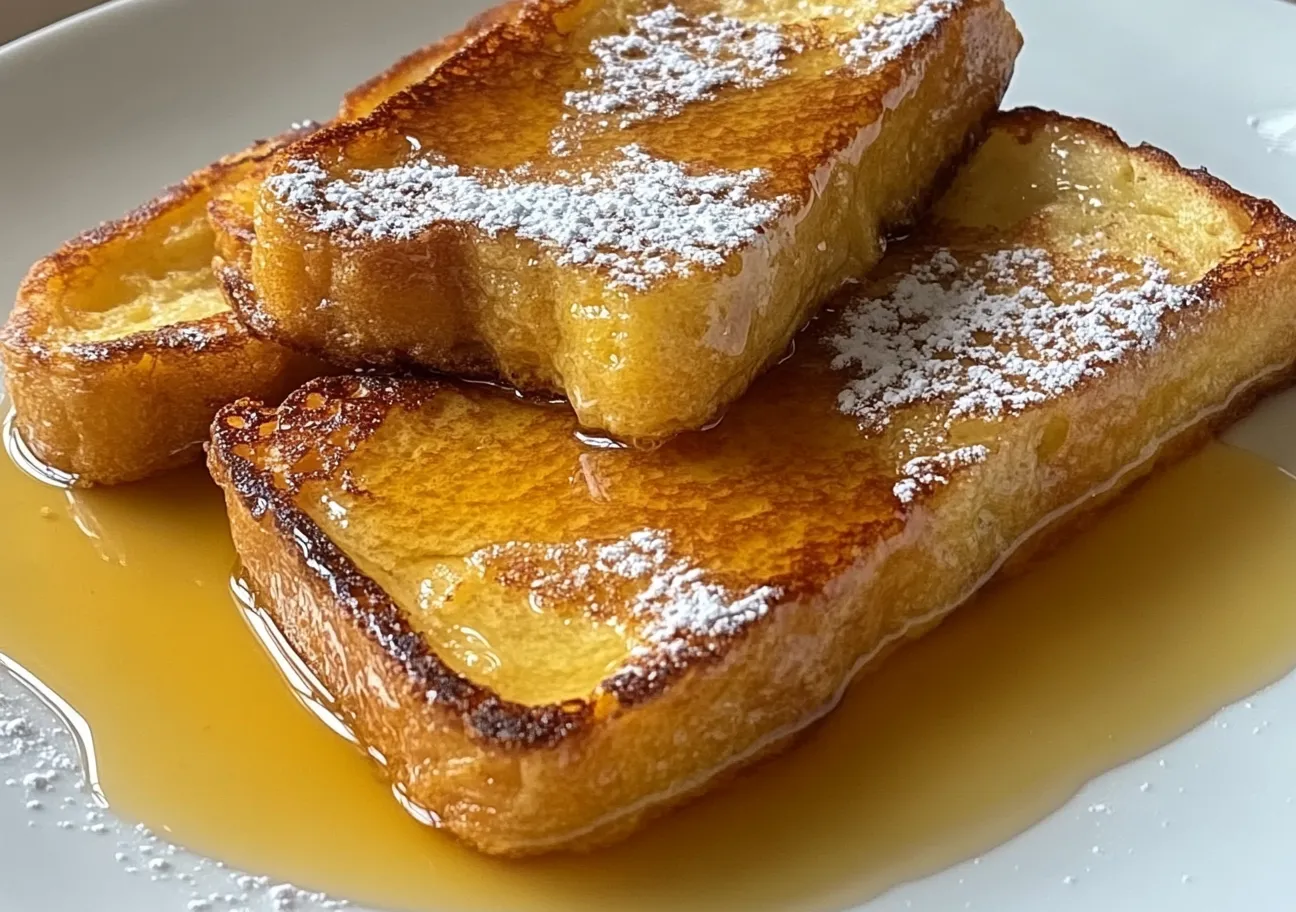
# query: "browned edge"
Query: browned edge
{"points": [[427, 56], [24, 333], [365, 402]]}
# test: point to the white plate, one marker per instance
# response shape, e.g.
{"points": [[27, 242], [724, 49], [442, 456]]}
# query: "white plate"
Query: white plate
{"points": [[97, 113]]}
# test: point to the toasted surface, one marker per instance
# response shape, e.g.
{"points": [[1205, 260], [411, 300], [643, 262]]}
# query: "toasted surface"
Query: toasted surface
{"points": [[422, 63], [548, 638], [120, 347], [634, 205]]}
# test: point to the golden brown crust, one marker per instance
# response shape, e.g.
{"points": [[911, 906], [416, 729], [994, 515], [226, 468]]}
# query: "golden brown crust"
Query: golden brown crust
{"points": [[365, 98], [28, 325], [110, 410]]}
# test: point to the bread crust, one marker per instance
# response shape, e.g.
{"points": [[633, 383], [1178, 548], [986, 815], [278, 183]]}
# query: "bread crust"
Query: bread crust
{"points": [[231, 211], [365, 98]]}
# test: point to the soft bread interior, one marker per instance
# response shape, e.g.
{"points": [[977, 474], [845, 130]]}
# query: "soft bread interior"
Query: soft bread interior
{"points": [[1061, 186], [157, 274]]}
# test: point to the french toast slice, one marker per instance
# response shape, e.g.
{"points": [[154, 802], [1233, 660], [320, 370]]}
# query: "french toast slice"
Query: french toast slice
{"points": [[631, 204], [120, 347], [547, 637]]}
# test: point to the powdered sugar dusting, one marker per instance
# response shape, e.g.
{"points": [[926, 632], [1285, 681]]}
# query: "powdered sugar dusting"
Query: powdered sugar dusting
{"points": [[640, 218], [676, 603], [992, 337], [924, 472], [669, 60], [945, 333], [887, 36], [43, 765], [681, 601]]}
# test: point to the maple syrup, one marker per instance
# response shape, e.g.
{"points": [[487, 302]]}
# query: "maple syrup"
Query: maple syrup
{"points": [[1174, 604]]}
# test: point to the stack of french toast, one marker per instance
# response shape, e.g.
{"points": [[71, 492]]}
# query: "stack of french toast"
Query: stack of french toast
{"points": [[626, 439]]}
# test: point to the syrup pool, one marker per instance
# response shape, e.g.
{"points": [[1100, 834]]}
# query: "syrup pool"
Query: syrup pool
{"points": [[1175, 603]]}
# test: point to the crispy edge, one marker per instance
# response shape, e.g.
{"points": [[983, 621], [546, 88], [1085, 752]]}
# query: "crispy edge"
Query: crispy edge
{"points": [[418, 65], [251, 489], [253, 493], [519, 23], [160, 413]]}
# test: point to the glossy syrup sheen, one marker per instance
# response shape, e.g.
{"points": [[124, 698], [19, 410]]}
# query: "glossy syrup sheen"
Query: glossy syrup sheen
{"points": [[1172, 605]]}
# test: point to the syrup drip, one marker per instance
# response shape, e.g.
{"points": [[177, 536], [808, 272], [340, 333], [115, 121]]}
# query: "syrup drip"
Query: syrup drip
{"points": [[1173, 604]]}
